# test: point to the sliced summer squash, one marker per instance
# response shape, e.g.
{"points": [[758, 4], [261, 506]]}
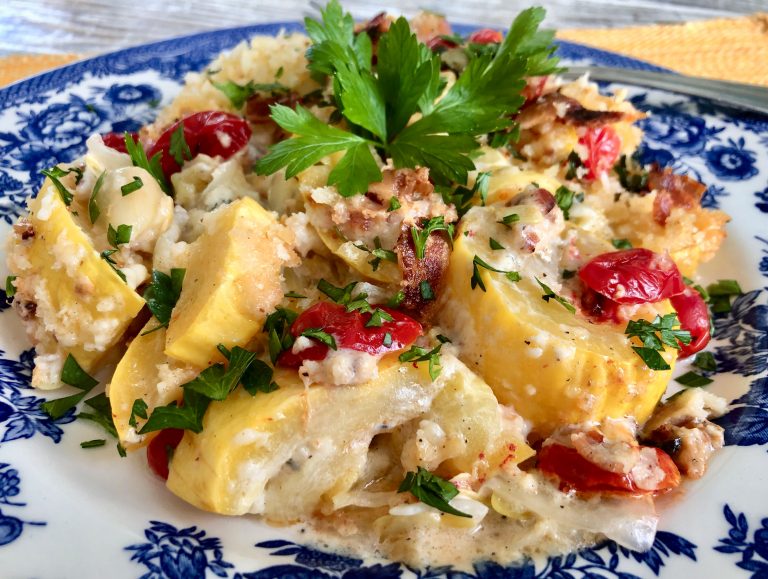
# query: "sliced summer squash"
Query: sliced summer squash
{"points": [[233, 281], [83, 305], [145, 373], [280, 454], [553, 367]]}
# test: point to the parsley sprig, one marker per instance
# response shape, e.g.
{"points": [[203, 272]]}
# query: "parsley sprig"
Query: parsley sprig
{"points": [[549, 294], [418, 354], [421, 234], [55, 174], [431, 490], [377, 106], [477, 280], [162, 294], [116, 238], [662, 331]]}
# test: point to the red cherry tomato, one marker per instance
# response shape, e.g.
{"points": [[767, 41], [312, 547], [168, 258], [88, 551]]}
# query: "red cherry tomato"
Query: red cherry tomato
{"points": [[485, 36], [160, 448], [440, 44], [349, 331], [116, 141], [693, 314], [212, 133], [598, 307], [575, 471], [633, 276], [603, 146]]}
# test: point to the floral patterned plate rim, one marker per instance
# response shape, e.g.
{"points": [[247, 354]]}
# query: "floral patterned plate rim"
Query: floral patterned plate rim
{"points": [[68, 512]]}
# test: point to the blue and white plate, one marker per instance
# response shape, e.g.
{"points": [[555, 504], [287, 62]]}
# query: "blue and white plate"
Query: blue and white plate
{"points": [[67, 512]]}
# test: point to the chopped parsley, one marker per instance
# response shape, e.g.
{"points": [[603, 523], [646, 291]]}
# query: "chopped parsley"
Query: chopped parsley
{"points": [[179, 149], [573, 163], [693, 380], [705, 361], [55, 174], [508, 220], [93, 207], [139, 159], [421, 234], [426, 291], [116, 238], [564, 198], [138, 409], [396, 299], [162, 294], [463, 197], [102, 415], [654, 336], [10, 288], [394, 204], [278, 326], [294, 295], [378, 253], [720, 294], [213, 383], [621, 243], [551, 295], [495, 245], [129, 188], [477, 280], [387, 341], [632, 176], [72, 374], [93, 443], [418, 354], [343, 296], [431, 490], [238, 94], [377, 107], [321, 336], [378, 317]]}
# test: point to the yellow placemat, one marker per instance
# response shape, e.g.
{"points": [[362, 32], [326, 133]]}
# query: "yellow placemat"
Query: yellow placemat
{"points": [[733, 49]]}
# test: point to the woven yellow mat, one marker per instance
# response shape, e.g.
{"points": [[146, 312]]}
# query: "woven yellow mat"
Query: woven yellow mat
{"points": [[733, 49]]}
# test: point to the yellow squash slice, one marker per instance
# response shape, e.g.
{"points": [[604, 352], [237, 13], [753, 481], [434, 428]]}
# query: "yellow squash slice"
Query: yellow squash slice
{"points": [[554, 367], [281, 454], [82, 306], [146, 373], [233, 281]]}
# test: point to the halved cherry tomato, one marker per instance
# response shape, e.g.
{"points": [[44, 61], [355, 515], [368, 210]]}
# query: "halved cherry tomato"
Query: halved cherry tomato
{"points": [[160, 449], [212, 133], [576, 472], [603, 146], [485, 36], [693, 314], [116, 141], [633, 276], [598, 307], [440, 43], [349, 331]]}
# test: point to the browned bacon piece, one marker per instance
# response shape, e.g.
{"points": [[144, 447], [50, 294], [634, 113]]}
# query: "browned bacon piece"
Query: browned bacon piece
{"points": [[556, 106], [673, 191]]}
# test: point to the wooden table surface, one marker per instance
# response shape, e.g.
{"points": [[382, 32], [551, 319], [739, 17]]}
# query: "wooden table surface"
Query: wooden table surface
{"points": [[94, 26]]}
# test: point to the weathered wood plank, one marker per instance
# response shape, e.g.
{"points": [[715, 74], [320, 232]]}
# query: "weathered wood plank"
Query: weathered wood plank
{"points": [[91, 26]]}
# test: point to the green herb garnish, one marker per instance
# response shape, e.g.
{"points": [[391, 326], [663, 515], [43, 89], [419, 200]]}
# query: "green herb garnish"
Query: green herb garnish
{"points": [[129, 188], [93, 207], [139, 159], [551, 295], [179, 149], [720, 294], [654, 336], [564, 198], [621, 243], [421, 234], [377, 107], [321, 336], [431, 490], [495, 245], [477, 280], [93, 443], [162, 294], [631, 174], [55, 174], [705, 361], [418, 354], [508, 220], [278, 326], [10, 288], [72, 374], [693, 380]]}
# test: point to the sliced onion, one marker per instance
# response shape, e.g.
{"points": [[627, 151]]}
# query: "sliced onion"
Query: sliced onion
{"points": [[630, 521]]}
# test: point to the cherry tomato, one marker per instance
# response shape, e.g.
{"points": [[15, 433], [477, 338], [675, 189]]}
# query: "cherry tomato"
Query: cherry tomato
{"points": [[485, 36], [212, 133], [349, 331], [633, 276], [577, 472], [160, 449], [693, 314], [116, 141], [599, 307], [603, 146]]}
